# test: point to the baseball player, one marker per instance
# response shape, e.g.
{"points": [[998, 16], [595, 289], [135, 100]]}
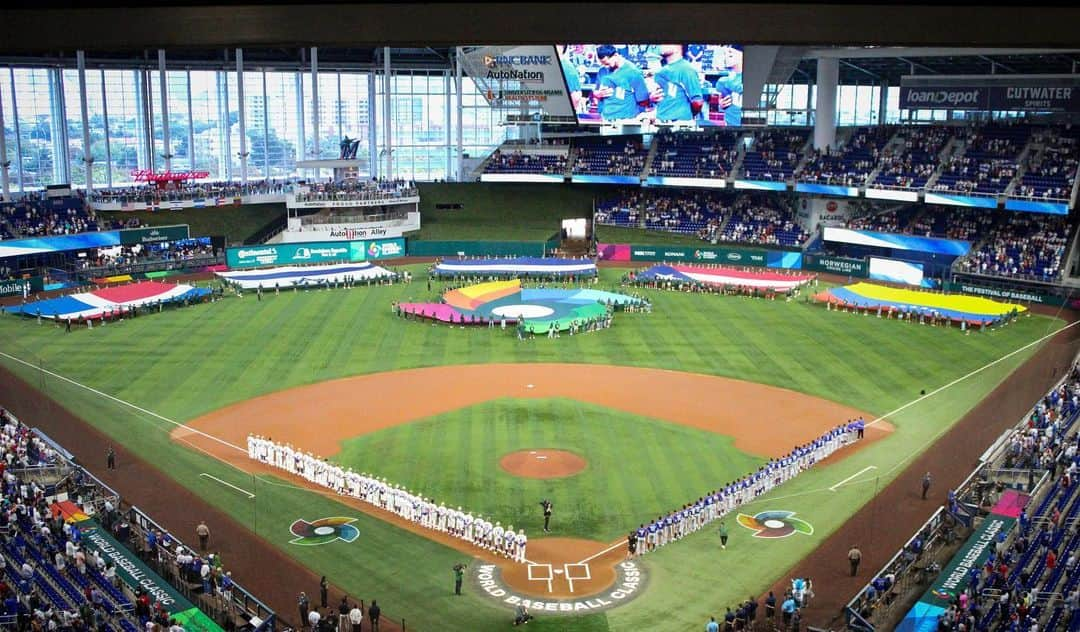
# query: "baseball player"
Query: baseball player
{"points": [[522, 541], [508, 541], [468, 527], [497, 536], [654, 533]]}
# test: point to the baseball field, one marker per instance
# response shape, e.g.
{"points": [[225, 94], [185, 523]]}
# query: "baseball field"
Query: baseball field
{"points": [[653, 413]]}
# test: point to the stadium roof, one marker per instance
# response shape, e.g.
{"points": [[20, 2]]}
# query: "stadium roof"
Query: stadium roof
{"points": [[93, 25]]}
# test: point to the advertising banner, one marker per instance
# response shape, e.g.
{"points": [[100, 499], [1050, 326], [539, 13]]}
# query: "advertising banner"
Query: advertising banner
{"points": [[512, 76], [313, 252], [1013, 98], [20, 287], [835, 265], [955, 578], [977, 201], [155, 235], [949, 247], [728, 256], [1012, 296], [463, 248], [1032, 206]]}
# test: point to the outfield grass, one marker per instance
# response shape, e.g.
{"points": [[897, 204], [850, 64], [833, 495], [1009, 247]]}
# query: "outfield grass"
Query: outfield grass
{"points": [[186, 362], [628, 481], [235, 223]]}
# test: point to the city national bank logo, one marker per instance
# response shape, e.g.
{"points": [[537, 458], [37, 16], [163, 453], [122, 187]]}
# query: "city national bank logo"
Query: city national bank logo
{"points": [[323, 531], [629, 583]]}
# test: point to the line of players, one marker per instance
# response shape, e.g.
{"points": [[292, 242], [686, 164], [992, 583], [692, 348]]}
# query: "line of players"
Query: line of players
{"points": [[718, 503], [375, 491]]}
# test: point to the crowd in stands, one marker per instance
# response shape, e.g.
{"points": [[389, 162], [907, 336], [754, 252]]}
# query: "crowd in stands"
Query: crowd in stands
{"points": [[117, 258], [1050, 175], [774, 155], [622, 210], [708, 155], [1029, 246], [912, 164], [36, 217], [762, 220], [952, 222], [619, 156], [367, 190], [416, 509], [517, 161], [1031, 576], [180, 191], [851, 164], [988, 164]]}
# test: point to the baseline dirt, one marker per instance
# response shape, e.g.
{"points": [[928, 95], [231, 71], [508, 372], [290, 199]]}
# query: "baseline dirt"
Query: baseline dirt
{"points": [[542, 464], [354, 406], [893, 515]]}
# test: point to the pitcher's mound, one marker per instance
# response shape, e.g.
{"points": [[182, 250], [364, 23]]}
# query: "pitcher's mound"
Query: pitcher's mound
{"points": [[542, 463]]}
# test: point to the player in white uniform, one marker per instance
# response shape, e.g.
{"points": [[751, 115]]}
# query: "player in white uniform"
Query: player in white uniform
{"points": [[522, 541], [497, 537], [468, 530], [508, 541]]}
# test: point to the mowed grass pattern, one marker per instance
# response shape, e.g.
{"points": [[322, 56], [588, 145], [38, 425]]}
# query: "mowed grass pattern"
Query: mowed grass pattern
{"points": [[637, 467], [186, 362]]}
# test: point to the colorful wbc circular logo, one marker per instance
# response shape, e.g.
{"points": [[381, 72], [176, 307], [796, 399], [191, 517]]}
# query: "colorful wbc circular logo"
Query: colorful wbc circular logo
{"points": [[373, 250], [323, 531], [775, 524]]}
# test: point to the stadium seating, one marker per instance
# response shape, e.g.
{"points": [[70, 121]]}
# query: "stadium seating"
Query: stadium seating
{"points": [[850, 164], [515, 160], [911, 165], [53, 586], [618, 155], [36, 217], [705, 155], [1051, 174], [1026, 246], [988, 164], [762, 220], [774, 155], [187, 191]]}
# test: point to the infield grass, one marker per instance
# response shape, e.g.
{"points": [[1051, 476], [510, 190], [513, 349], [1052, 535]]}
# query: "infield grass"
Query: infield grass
{"points": [[629, 478], [187, 362]]}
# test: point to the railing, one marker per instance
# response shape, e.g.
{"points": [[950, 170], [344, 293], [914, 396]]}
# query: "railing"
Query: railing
{"points": [[242, 602], [354, 219], [156, 265]]}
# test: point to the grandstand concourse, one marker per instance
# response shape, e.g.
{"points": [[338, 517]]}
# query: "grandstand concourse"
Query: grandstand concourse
{"points": [[460, 317]]}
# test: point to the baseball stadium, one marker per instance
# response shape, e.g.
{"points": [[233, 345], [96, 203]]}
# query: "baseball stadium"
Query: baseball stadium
{"points": [[772, 332]]}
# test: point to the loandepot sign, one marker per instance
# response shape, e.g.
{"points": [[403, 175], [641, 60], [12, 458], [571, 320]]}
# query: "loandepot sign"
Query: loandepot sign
{"points": [[629, 582]]}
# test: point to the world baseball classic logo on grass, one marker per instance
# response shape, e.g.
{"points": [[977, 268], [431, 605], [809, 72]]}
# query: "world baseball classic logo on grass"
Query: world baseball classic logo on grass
{"points": [[775, 524], [323, 531]]}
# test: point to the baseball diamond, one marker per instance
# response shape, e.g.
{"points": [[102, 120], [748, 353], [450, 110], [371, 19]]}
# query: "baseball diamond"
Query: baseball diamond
{"points": [[752, 333]]}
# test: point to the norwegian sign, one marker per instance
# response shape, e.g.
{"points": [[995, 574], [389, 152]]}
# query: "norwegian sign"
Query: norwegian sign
{"points": [[629, 582], [1013, 98]]}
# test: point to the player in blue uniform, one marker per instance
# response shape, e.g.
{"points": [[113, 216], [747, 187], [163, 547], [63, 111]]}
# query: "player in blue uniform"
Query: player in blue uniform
{"points": [[677, 95], [730, 85], [620, 87], [573, 80]]}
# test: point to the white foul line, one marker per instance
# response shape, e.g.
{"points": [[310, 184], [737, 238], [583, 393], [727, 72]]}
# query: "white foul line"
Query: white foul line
{"points": [[976, 371], [120, 401], [855, 475], [242, 491]]}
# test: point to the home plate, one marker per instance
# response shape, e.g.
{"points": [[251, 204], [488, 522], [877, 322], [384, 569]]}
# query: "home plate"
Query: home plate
{"points": [[528, 386], [541, 457], [557, 571]]}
